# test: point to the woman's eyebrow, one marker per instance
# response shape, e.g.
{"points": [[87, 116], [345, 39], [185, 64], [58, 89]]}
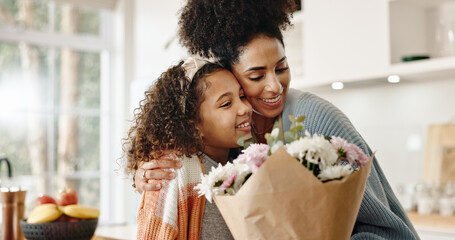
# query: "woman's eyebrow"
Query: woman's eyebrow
{"points": [[281, 60], [262, 68], [254, 69]]}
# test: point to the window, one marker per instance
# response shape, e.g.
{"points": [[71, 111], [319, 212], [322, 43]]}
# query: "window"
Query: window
{"points": [[54, 96]]}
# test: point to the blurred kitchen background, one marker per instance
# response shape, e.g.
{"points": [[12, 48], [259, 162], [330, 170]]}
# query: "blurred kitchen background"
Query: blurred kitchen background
{"points": [[72, 71]]}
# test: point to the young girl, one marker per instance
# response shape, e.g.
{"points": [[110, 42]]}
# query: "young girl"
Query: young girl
{"points": [[198, 111]]}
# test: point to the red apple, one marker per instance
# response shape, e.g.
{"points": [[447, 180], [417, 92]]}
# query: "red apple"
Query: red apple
{"points": [[66, 196], [43, 199], [71, 219], [64, 218]]}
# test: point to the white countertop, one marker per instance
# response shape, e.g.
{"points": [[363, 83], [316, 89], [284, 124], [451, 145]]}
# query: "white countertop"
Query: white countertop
{"points": [[115, 232]]}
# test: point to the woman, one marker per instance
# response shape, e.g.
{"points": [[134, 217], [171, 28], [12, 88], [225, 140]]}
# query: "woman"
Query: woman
{"points": [[199, 110], [245, 36]]}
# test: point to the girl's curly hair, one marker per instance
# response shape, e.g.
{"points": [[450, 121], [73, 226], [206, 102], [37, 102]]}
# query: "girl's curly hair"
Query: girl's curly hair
{"points": [[220, 28], [161, 122]]}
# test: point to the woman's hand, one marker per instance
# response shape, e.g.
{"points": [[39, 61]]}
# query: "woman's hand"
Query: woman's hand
{"points": [[149, 174]]}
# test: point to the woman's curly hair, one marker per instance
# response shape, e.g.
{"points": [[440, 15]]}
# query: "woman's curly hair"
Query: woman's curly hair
{"points": [[220, 28], [161, 123]]}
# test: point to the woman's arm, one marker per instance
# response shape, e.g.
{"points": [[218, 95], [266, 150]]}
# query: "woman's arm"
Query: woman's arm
{"points": [[149, 174]]}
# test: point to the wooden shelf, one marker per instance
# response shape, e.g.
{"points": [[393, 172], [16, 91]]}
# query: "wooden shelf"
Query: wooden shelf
{"points": [[433, 221]]}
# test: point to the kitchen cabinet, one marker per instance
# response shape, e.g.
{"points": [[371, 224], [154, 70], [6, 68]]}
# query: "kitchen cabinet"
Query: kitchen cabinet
{"points": [[365, 40]]}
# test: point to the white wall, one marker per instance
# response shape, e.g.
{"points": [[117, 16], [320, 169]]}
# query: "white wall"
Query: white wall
{"points": [[156, 24], [393, 118]]}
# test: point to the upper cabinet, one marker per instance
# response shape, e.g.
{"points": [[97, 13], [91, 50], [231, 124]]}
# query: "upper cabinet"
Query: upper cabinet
{"points": [[360, 40], [422, 28]]}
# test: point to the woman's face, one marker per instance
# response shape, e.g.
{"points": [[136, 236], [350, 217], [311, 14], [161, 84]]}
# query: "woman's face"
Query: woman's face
{"points": [[263, 72], [225, 114]]}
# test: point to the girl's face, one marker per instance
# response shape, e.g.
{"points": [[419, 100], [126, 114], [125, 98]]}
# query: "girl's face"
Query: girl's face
{"points": [[225, 113], [263, 72]]}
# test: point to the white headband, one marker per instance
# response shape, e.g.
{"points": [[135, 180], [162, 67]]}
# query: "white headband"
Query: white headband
{"points": [[191, 66]]}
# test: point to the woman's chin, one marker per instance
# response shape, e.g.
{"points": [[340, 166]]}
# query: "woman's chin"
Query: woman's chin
{"points": [[269, 113]]}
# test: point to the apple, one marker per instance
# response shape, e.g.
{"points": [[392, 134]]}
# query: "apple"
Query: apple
{"points": [[43, 199], [66, 196], [64, 218]]}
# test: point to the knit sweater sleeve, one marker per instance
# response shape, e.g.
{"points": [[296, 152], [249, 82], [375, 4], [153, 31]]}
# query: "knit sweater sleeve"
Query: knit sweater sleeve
{"points": [[174, 212], [381, 215]]}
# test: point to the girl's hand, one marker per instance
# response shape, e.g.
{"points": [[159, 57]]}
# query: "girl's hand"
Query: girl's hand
{"points": [[149, 174]]}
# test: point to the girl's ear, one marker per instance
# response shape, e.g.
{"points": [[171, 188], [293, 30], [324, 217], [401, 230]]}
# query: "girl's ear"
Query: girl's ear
{"points": [[199, 129]]}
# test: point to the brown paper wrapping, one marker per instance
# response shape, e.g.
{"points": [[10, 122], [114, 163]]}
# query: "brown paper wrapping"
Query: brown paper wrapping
{"points": [[284, 200]]}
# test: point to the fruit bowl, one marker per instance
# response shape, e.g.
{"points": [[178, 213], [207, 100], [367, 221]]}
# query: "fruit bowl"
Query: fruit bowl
{"points": [[82, 229]]}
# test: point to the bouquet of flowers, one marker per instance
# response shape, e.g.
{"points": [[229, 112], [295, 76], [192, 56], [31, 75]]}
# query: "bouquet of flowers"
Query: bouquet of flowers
{"points": [[309, 188]]}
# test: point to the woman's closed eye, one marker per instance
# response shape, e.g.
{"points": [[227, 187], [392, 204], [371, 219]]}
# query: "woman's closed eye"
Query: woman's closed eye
{"points": [[280, 70], [256, 78]]}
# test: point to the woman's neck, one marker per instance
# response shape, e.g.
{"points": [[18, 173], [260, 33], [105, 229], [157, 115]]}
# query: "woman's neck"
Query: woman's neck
{"points": [[261, 126], [219, 155]]}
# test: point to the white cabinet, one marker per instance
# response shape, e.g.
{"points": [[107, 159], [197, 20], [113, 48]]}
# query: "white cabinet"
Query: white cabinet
{"points": [[344, 39], [422, 27], [364, 40]]}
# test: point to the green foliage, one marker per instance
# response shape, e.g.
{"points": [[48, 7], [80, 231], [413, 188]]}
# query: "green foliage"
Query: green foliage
{"points": [[294, 133], [244, 142], [41, 12], [10, 60], [89, 22], [9, 6], [218, 183], [88, 143], [90, 80]]}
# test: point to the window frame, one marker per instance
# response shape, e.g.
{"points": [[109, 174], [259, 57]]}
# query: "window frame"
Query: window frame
{"points": [[116, 47]]}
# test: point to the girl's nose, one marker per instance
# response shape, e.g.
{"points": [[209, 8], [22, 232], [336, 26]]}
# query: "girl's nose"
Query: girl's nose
{"points": [[244, 108]]}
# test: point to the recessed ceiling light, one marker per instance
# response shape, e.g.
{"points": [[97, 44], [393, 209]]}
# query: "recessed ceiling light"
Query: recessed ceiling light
{"points": [[337, 85], [393, 79]]}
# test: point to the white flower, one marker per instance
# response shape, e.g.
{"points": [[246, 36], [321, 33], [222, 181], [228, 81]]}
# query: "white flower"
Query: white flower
{"points": [[315, 149], [335, 172], [275, 132], [221, 173], [243, 170]]}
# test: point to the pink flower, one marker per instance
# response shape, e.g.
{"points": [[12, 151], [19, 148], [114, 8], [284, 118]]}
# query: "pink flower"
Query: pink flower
{"points": [[349, 152], [254, 156], [228, 182], [362, 158]]}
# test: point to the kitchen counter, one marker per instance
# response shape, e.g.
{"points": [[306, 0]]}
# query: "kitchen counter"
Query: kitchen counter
{"points": [[433, 226], [115, 232]]}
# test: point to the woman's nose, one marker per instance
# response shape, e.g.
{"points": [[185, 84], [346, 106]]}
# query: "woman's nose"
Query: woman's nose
{"points": [[273, 84]]}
